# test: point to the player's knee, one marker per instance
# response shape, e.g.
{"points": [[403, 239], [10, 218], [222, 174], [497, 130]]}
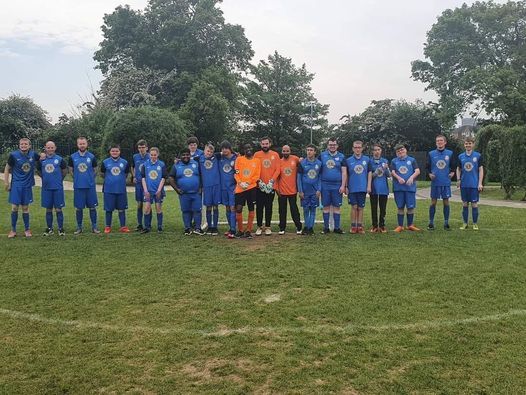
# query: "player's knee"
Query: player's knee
{"points": [[446, 202], [239, 209], [433, 202], [410, 211], [25, 209], [474, 205], [401, 211]]}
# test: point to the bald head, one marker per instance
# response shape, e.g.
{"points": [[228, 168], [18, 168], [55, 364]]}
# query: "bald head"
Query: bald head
{"points": [[285, 151], [50, 148]]}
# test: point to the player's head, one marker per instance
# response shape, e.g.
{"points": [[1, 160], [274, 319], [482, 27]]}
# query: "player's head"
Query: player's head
{"points": [[248, 150], [82, 144], [154, 154], [401, 150], [226, 148], [311, 151], [142, 146], [50, 148], [469, 143], [441, 141], [24, 144], [285, 151], [265, 143], [115, 151], [377, 150], [192, 143], [185, 155], [209, 150], [332, 145], [357, 147]]}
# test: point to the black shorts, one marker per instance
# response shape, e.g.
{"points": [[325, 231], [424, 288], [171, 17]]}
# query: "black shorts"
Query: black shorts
{"points": [[248, 197]]}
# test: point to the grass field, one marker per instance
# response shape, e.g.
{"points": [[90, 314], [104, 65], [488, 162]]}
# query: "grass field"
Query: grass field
{"points": [[498, 194], [441, 312]]}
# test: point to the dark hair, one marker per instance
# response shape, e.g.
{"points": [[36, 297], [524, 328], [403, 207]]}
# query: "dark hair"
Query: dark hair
{"points": [[185, 151], [333, 139], [192, 140], [400, 146], [141, 143], [115, 146], [266, 138], [358, 141], [377, 145], [311, 146], [442, 136], [470, 139], [226, 145]]}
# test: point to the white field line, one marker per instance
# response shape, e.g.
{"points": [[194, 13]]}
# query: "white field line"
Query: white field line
{"points": [[248, 330]]}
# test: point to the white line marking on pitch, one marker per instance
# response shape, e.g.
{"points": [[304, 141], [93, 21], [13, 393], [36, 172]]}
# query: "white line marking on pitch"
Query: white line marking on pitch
{"points": [[423, 325]]}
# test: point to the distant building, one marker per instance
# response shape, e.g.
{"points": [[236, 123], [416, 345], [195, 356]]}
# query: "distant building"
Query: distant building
{"points": [[467, 128]]}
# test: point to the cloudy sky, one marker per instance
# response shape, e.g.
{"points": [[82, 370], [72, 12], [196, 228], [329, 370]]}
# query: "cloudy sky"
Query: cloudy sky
{"points": [[360, 50]]}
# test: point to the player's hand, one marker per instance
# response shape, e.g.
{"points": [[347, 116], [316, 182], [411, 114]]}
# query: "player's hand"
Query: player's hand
{"points": [[458, 184], [302, 195], [318, 194], [451, 175], [179, 191], [409, 181], [401, 181], [7, 187], [432, 176], [369, 190], [342, 189], [147, 195], [42, 156], [158, 194], [261, 186], [480, 188]]}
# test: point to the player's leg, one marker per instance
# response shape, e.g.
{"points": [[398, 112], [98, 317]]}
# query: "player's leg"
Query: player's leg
{"points": [[139, 198], [110, 202], [46, 199], [92, 203], [325, 202], [240, 199], [359, 212], [147, 207], [400, 204], [186, 213], [336, 213], [282, 210], [382, 200], [25, 218], [410, 200], [446, 210], [475, 214], [260, 206], [159, 212], [433, 207], [269, 203], [122, 206], [197, 209], [59, 203], [295, 213], [14, 220], [374, 199]]}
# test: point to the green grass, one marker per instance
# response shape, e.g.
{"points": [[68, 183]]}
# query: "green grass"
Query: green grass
{"points": [[440, 312], [496, 193]]}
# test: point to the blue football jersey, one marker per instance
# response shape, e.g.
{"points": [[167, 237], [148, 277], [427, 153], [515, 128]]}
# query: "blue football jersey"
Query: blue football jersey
{"points": [[331, 168], [357, 172], [209, 168], [187, 176], [469, 169], [197, 154], [83, 166], [23, 168], [153, 173], [440, 163], [309, 180], [380, 175], [227, 171], [51, 170], [115, 174], [138, 161], [404, 168]]}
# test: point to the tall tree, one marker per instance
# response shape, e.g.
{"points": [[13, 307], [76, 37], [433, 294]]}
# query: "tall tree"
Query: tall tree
{"points": [[277, 103], [475, 59]]}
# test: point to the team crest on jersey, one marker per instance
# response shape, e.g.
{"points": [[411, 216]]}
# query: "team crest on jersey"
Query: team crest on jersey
{"points": [[116, 170], [331, 164], [193, 166], [153, 174], [246, 172], [227, 168], [121, 165], [26, 167], [358, 169], [408, 163], [88, 160], [82, 167], [267, 163], [55, 161], [379, 172], [468, 166], [49, 168], [287, 171], [474, 159], [208, 164], [316, 167], [312, 173], [188, 172], [403, 170], [441, 164]]}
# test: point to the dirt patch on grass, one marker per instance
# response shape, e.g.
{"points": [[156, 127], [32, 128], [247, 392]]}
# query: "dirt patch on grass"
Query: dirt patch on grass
{"points": [[216, 370]]}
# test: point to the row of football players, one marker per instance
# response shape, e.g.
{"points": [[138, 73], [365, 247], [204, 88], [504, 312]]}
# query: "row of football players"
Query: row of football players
{"points": [[209, 179]]}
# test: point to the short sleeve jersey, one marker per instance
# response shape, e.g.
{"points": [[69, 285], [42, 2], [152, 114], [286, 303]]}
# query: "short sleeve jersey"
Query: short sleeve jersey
{"points": [[331, 168], [357, 171], [51, 169], [379, 184], [440, 163], [186, 176], [153, 173], [115, 174], [404, 168], [227, 171], [138, 161], [469, 169], [309, 176], [209, 168], [83, 166], [23, 168]]}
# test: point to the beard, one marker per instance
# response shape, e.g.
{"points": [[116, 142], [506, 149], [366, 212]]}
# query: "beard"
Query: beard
{"points": [[266, 149]]}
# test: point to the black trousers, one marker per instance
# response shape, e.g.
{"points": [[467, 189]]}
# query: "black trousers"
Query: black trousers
{"points": [[294, 212], [264, 201], [378, 200]]}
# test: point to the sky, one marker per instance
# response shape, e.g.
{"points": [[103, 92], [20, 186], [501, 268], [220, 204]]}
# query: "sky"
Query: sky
{"points": [[359, 50]]}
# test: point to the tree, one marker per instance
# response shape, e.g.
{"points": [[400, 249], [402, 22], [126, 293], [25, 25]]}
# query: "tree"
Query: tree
{"points": [[475, 59], [389, 122], [181, 35], [277, 103], [158, 126], [20, 117]]}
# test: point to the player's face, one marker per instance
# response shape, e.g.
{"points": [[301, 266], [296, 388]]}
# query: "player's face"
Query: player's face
{"points": [[311, 152], [154, 155], [265, 145], [226, 152], [50, 149], [249, 151], [357, 149], [185, 157], [192, 147], [401, 153], [82, 145], [377, 152], [209, 152], [142, 149], [332, 146], [115, 152], [468, 145], [440, 142], [285, 151], [24, 145]]}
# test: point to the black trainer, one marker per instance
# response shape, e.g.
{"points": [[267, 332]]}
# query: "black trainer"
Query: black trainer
{"points": [[338, 231], [431, 227]]}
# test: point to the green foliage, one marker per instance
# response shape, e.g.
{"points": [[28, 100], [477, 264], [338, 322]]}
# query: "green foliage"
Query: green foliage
{"points": [[20, 117], [277, 104], [159, 127], [389, 122], [475, 59]]}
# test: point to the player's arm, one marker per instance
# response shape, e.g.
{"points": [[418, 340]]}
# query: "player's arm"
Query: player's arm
{"points": [[452, 166], [429, 167], [481, 174], [143, 183], [38, 168], [277, 170], [63, 168], [70, 165], [163, 181], [102, 170], [459, 172], [172, 176], [344, 177], [396, 176], [369, 177], [415, 174], [7, 171], [299, 184]]}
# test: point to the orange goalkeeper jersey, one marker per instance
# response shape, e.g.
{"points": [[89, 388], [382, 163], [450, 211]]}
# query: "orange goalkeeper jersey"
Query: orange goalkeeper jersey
{"points": [[269, 165], [287, 175], [247, 170]]}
